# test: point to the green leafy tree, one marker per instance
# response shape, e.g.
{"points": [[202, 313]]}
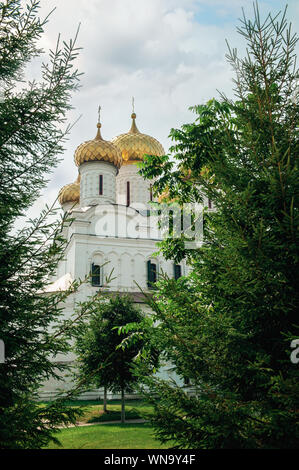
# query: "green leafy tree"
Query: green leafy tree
{"points": [[229, 324], [31, 136], [102, 361]]}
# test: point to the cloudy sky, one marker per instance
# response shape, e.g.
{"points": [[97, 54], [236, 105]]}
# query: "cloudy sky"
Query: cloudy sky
{"points": [[168, 54]]}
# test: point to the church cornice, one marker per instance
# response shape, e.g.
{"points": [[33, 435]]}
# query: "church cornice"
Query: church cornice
{"points": [[110, 238]]}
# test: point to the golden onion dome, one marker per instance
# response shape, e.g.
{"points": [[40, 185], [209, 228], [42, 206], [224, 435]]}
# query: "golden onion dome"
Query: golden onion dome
{"points": [[70, 193], [134, 145], [98, 149]]}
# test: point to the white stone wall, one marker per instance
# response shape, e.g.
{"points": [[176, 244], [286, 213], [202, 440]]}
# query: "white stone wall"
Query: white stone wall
{"points": [[89, 185], [67, 206], [124, 260], [139, 188], [125, 254]]}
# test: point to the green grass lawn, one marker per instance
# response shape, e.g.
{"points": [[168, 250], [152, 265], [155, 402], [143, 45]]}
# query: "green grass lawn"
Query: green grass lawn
{"points": [[108, 436], [93, 410]]}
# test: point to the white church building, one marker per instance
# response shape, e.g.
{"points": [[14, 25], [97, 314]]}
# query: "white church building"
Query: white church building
{"points": [[112, 231]]}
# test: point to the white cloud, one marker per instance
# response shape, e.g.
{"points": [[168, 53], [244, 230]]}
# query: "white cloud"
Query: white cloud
{"points": [[169, 54]]}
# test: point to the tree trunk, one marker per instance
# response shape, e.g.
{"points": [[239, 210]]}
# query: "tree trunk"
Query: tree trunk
{"points": [[123, 412], [105, 400]]}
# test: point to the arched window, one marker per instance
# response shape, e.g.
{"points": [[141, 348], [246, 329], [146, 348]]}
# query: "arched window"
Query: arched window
{"points": [[151, 274], [96, 275], [128, 193], [177, 271], [210, 205], [151, 192]]}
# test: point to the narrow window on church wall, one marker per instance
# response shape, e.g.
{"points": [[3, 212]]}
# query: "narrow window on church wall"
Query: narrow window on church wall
{"points": [[96, 275], [177, 271], [151, 274], [128, 193], [209, 203], [151, 193], [101, 185]]}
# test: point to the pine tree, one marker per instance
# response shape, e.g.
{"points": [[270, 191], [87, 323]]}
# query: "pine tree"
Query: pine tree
{"points": [[229, 324], [32, 116]]}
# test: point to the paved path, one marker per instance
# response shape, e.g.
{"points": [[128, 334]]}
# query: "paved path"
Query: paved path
{"points": [[128, 421]]}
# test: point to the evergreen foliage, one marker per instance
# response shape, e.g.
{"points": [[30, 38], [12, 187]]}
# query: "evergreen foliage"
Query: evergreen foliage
{"points": [[31, 136], [229, 324]]}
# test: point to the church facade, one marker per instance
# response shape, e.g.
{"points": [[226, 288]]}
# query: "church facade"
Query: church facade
{"points": [[113, 235]]}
